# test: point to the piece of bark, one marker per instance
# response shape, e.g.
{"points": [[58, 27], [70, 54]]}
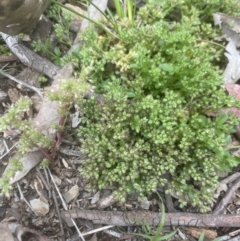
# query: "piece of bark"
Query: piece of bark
{"points": [[153, 218]]}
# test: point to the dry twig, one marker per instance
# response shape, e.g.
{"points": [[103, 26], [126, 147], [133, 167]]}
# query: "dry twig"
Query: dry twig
{"points": [[153, 218], [37, 90], [58, 214], [29, 58], [224, 202], [64, 204]]}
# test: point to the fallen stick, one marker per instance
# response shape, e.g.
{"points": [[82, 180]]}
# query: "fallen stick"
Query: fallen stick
{"points": [[153, 218], [29, 58]]}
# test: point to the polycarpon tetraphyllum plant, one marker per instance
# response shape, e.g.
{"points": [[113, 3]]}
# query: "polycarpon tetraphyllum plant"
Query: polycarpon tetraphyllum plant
{"points": [[147, 124], [151, 128]]}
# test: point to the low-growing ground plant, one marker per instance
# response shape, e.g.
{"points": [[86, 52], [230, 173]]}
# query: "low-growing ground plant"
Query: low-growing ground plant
{"points": [[156, 80], [157, 235], [62, 20], [159, 80]]}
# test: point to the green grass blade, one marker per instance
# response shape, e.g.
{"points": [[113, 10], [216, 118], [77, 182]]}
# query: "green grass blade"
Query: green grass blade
{"points": [[217, 239], [146, 227], [113, 21], [160, 228], [201, 236], [87, 18], [119, 8], [143, 236], [130, 9], [167, 236]]}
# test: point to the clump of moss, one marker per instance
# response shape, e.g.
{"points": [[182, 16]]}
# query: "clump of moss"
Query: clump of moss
{"points": [[158, 79]]}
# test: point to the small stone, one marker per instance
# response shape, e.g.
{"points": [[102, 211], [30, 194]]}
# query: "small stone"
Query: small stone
{"points": [[106, 201], [145, 204], [39, 207], [95, 198], [76, 120], [57, 180], [3, 96], [72, 193]]}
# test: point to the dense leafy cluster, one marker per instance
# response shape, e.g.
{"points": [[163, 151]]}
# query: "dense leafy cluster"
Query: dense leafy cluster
{"points": [[159, 82], [156, 80]]}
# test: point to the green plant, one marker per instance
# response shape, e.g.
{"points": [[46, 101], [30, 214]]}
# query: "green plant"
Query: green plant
{"points": [[42, 79], [124, 9], [157, 89], [4, 51], [55, 56], [149, 86], [201, 238], [63, 20], [30, 138], [5, 179], [62, 27], [147, 232], [44, 163]]}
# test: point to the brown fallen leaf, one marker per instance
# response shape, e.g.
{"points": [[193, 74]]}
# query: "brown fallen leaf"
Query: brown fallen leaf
{"points": [[196, 232], [126, 236]]}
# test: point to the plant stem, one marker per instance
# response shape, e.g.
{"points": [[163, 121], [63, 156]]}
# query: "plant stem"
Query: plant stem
{"points": [[211, 42], [232, 147]]}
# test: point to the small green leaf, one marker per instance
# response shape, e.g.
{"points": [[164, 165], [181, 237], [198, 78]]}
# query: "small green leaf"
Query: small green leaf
{"points": [[136, 123], [221, 119], [191, 194], [228, 140], [160, 227], [167, 67], [47, 43], [130, 95], [57, 51]]}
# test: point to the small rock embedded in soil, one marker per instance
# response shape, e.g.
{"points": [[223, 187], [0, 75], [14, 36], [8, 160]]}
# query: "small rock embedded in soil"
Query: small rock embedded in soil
{"points": [[39, 207], [95, 198], [145, 204], [72, 193], [3, 95]]}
